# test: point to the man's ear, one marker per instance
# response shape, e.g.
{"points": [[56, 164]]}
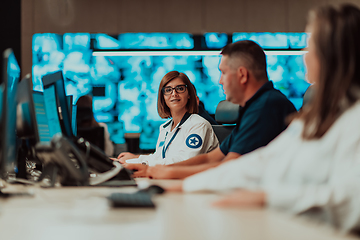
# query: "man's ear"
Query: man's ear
{"points": [[243, 75]]}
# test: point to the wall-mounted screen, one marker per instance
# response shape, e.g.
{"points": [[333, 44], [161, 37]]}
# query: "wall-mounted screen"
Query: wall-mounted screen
{"points": [[124, 86]]}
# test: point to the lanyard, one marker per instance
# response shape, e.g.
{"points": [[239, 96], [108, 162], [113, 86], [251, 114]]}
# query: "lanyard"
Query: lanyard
{"points": [[185, 117], [165, 148]]}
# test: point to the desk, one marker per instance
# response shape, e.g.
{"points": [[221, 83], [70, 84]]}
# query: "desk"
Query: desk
{"points": [[83, 213]]}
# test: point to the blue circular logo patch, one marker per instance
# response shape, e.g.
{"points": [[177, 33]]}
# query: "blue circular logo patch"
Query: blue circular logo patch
{"points": [[193, 141]]}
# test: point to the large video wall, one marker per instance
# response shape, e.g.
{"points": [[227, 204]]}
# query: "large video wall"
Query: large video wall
{"points": [[125, 84]]}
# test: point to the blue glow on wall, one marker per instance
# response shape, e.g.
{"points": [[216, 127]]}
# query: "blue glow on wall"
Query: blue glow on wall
{"points": [[156, 40], [274, 40], [131, 82]]}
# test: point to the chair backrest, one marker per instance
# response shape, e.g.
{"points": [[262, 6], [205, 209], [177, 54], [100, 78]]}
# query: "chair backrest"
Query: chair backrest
{"points": [[226, 113], [222, 131]]}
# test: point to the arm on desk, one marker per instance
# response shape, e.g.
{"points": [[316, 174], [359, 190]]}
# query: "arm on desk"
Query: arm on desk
{"points": [[181, 171], [139, 170], [214, 156], [177, 172], [125, 156]]}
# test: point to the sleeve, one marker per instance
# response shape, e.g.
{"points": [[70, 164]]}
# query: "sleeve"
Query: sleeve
{"points": [[257, 129], [196, 141], [244, 172], [225, 145], [337, 203], [150, 157]]}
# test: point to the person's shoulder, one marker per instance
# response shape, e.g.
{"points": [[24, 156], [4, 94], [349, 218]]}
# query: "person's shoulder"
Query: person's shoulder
{"points": [[352, 112], [165, 124], [196, 119], [275, 98]]}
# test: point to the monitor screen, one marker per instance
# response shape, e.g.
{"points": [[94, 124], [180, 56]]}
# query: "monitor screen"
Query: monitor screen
{"points": [[47, 125], [73, 119], [26, 126], [55, 98], [8, 140]]}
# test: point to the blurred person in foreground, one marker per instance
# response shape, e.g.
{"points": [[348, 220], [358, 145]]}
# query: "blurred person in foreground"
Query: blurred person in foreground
{"points": [[313, 167]]}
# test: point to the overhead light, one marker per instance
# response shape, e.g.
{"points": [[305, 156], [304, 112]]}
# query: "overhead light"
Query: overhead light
{"points": [[185, 53]]}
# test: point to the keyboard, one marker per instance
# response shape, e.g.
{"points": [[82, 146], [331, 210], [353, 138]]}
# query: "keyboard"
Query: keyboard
{"points": [[131, 200]]}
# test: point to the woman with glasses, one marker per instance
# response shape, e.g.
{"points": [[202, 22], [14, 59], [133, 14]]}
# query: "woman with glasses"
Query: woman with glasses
{"points": [[186, 134]]}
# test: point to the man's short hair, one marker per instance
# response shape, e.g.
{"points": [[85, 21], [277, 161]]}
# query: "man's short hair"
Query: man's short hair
{"points": [[250, 54]]}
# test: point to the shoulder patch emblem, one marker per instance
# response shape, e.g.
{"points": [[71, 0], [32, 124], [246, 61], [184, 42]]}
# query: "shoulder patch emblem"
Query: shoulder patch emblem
{"points": [[193, 141]]}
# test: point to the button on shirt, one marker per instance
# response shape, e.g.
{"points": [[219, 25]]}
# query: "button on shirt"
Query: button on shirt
{"points": [[260, 121]]}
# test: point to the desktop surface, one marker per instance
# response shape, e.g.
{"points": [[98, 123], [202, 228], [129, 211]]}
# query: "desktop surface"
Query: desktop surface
{"points": [[85, 213]]}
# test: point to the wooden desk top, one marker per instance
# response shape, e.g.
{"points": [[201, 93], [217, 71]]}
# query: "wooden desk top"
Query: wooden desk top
{"points": [[84, 213]]}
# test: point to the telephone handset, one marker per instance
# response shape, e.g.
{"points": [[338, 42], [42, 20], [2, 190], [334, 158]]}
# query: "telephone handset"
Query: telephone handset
{"points": [[65, 160], [78, 163], [101, 166]]}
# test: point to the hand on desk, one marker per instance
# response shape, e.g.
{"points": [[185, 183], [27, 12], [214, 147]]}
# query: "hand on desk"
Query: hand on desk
{"points": [[156, 172], [243, 198], [159, 172], [124, 156], [140, 169]]}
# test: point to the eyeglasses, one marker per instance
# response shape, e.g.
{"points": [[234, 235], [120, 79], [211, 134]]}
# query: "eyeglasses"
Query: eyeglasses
{"points": [[178, 89]]}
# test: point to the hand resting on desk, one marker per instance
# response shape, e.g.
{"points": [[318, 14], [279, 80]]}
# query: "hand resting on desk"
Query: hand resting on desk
{"points": [[139, 170], [160, 172], [125, 156]]}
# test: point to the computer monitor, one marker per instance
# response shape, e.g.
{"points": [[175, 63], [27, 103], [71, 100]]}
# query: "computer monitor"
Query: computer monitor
{"points": [[72, 113], [47, 118], [54, 94], [26, 125], [11, 76], [69, 100]]}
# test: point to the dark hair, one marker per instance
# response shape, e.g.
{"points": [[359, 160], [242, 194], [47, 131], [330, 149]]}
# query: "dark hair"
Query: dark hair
{"points": [[336, 36], [251, 54], [191, 106], [85, 115]]}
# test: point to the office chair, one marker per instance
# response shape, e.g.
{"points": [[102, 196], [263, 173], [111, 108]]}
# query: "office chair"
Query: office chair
{"points": [[226, 114], [94, 135]]}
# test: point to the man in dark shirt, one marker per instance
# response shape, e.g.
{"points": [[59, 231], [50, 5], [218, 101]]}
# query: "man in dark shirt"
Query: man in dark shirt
{"points": [[262, 113], [260, 121]]}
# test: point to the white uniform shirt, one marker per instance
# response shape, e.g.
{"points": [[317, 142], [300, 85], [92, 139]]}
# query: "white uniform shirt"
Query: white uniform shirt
{"points": [[195, 136], [300, 175]]}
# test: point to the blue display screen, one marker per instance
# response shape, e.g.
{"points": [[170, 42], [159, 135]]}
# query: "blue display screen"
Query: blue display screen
{"points": [[8, 113], [51, 110], [128, 101], [41, 118]]}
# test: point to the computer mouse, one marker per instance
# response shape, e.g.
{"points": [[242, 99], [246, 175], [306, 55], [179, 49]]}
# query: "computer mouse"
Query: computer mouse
{"points": [[153, 189]]}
